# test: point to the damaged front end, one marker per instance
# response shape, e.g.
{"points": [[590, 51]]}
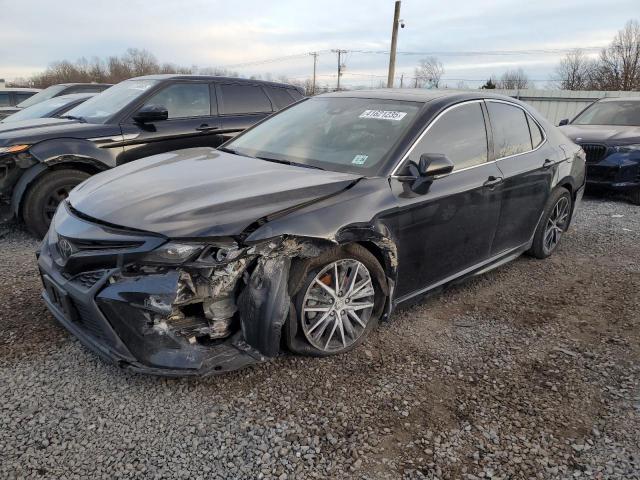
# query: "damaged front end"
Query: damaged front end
{"points": [[166, 307]]}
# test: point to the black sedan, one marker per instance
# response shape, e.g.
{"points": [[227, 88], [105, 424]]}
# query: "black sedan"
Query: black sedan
{"points": [[306, 230], [52, 108], [609, 132]]}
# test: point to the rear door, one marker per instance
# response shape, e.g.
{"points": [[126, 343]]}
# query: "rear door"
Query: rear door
{"points": [[192, 122], [241, 105], [526, 161], [449, 228]]}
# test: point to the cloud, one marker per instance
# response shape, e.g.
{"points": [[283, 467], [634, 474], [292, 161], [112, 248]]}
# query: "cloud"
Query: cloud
{"points": [[219, 32]]}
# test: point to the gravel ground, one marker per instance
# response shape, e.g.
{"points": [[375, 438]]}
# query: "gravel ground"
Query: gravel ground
{"points": [[530, 371]]}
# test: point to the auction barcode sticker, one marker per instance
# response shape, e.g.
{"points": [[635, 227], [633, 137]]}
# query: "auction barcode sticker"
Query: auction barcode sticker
{"points": [[383, 114]]}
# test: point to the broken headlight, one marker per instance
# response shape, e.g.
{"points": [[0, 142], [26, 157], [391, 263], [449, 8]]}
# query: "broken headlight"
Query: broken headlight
{"points": [[176, 253], [173, 253]]}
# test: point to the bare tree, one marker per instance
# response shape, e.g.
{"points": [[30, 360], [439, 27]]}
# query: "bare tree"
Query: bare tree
{"points": [[576, 71], [514, 80], [114, 69], [429, 73], [619, 63]]}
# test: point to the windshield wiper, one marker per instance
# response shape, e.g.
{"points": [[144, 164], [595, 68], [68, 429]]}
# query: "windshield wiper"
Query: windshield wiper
{"points": [[72, 117], [289, 162]]}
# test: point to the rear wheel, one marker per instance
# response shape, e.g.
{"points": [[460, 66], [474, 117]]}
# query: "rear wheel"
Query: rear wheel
{"points": [[339, 302], [634, 196], [44, 196], [554, 222]]}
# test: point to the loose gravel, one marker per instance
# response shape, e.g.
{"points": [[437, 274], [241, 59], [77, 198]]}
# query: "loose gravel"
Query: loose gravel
{"points": [[529, 371]]}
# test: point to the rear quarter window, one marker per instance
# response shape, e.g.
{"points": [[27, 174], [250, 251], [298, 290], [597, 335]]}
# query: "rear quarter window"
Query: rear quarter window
{"points": [[4, 99], [242, 99], [281, 97]]}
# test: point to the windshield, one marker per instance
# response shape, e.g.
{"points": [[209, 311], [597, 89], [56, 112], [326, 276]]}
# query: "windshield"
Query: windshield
{"points": [[621, 113], [39, 110], [104, 105], [45, 94], [352, 135]]}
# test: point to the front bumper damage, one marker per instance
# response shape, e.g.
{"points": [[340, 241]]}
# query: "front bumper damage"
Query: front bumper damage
{"points": [[193, 319]]}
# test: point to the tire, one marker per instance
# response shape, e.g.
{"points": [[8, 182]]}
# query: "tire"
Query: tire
{"points": [[45, 194], [556, 216], [341, 331], [634, 196]]}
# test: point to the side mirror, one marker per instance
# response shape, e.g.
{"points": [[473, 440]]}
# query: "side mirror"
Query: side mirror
{"points": [[151, 113], [432, 164], [564, 121], [421, 175]]}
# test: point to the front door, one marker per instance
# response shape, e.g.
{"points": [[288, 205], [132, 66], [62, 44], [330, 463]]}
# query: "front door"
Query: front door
{"points": [[192, 122], [449, 228]]}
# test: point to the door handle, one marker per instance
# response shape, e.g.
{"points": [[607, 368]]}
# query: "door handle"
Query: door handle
{"points": [[548, 163], [492, 182], [205, 128]]}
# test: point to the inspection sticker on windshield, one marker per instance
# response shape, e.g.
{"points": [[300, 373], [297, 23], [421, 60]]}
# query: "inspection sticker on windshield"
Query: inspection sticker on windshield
{"points": [[383, 114], [359, 159]]}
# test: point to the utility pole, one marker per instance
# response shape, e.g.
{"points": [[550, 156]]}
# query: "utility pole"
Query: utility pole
{"points": [[394, 42], [315, 61], [340, 66]]}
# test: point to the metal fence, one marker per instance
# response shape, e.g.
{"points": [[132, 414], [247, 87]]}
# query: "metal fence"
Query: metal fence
{"points": [[558, 104]]}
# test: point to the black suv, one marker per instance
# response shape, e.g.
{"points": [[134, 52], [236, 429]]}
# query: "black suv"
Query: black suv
{"points": [[50, 92], [42, 161]]}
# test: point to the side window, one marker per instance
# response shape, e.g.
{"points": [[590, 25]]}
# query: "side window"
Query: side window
{"points": [[510, 130], [536, 133], [239, 99], [295, 94], [280, 97], [460, 134], [184, 100], [4, 99], [23, 96]]}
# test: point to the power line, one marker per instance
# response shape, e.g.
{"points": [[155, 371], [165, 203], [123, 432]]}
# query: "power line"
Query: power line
{"points": [[442, 53], [452, 53]]}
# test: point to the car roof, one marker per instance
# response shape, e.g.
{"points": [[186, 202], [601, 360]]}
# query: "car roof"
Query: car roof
{"points": [[76, 96], [20, 89], [418, 94], [171, 76], [81, 83]]}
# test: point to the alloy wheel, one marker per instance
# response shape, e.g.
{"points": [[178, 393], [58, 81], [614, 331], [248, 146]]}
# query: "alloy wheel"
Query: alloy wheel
{"points": [[53, 200], [556, 224], [338, 305]]}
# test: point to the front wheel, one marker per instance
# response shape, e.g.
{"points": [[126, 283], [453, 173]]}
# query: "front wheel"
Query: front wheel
{"points": [[340, 301], [553, 223], [44, 196]]}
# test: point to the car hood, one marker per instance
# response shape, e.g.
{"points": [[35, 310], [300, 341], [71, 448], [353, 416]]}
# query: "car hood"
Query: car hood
{"points": [[200, 192], [607, 134], [39, 129]]}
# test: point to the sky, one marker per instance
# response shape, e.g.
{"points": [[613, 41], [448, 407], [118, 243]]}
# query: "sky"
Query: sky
{"points": [[240, 33]]}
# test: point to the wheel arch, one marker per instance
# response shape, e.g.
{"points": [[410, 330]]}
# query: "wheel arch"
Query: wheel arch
{"points": [[37, 171]]}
